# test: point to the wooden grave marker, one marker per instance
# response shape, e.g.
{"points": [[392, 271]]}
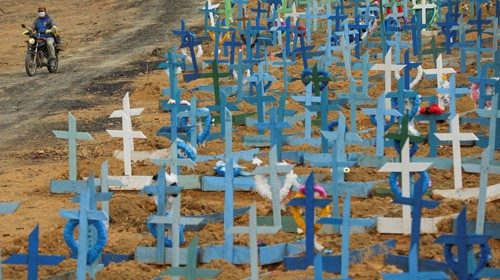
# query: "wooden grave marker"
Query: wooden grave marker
{"points": [[190, 271], [72, 135], [405, 167], [252, 230], [32, 259], [84, 215]]}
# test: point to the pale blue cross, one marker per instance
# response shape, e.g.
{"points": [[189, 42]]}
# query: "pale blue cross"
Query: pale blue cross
{"points": [[72, 135], [380, 113]]}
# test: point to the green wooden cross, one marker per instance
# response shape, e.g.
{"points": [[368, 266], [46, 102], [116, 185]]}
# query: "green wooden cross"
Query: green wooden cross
{"points": [[215, 75], [72, 135], [190, 271], [434, 50], [404, 134], [316, 79], [228, 11]]}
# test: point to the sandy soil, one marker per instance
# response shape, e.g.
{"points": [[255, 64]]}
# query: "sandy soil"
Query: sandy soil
{"points": [[107, 54]]}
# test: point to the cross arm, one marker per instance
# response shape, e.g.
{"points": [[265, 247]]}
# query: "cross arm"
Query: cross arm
{"points": [[302, 202], [75, 215]]}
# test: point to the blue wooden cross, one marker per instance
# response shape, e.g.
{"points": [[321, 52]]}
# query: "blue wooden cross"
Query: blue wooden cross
{"points": [[308, 15], [325, 106], [364, 65], [337, 139], [240, 69], [189, 40], [307, 100], [84, 215], [416, 27], [275, 130], [260, 99], [288, 29], [175, 220], [191, 271], [282, 102], [446, 26], [94, 197], [463, 241], [453, 93], [380, 113], [241, 4], [354, 98], [173, 160], [494, 32], [479, 22], [431, 138], [483, 81], [218, 30], [359, 28], [161, 190], [310, 203], [303, 49], [417, 203], [229, 187], [104, 182], [401, 96], [32, 259], [8, 207], [346, 221], [338, 17], [252, 230], [72, 135], [233, 44], [494, 115], [174, 94], [407, 70], [193, 114], [462, 29], [397, 44]]}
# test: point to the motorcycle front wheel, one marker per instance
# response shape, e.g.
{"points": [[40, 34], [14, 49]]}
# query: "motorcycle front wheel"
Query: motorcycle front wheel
{"points": [[30, 64], [53, 65]]}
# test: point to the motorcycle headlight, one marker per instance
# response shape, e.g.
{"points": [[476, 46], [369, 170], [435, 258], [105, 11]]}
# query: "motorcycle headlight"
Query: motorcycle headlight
{"points": [[31, 41]]}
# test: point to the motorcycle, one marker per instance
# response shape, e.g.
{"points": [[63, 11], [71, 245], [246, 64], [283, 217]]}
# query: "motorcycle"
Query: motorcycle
{"points": [[37, 54]]}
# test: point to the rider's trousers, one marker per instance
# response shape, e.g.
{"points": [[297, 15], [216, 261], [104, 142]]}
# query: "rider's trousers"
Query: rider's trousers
{"points": [[50, 47]]}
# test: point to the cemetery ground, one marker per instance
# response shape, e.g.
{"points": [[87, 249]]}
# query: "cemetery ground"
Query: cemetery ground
{"points": [[91, 82]]}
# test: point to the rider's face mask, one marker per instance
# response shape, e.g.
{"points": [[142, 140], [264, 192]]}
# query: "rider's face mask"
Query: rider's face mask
{"points": [[41, 14]]}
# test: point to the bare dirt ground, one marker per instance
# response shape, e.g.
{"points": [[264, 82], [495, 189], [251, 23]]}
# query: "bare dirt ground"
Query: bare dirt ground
{"points": [[107, 52]]}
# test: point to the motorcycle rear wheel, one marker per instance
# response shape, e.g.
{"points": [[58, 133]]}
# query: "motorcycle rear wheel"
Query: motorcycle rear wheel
{"points": [[30, 64], [52, 66]]}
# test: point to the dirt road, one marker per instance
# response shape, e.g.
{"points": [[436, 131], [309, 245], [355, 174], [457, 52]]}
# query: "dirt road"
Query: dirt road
{"points": [[107, 42]]}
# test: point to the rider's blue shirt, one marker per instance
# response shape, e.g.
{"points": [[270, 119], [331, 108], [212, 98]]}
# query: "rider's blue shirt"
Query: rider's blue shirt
{"points": [[42, 25]]}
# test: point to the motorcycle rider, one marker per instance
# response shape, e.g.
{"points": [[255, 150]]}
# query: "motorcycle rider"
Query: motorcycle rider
{"points": [[46, 26]]}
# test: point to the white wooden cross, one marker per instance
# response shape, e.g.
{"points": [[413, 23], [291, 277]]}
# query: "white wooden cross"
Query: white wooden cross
{"points": [[456, 137], [423, 7], [211, 15], [273, 170], [128, 139], [388, 68], [294, 15], [439, 71], [127, 111], [405, 167]]}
